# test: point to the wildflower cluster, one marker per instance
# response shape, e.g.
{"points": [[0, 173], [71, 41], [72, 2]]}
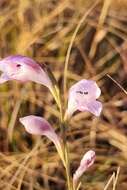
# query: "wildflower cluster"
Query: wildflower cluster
{"points": [[82, 96]]}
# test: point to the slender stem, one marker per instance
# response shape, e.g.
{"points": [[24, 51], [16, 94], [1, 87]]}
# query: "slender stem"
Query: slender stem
{"points": [[65, 155], [65, 146], [68, 168], [54, 93]]}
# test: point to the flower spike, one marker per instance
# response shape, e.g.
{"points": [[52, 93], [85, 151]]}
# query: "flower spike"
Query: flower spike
{"points": [[82, 97]]}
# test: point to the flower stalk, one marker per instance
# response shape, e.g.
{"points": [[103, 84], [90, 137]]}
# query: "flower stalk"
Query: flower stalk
{"points": [[65, 150], [82, 97]]}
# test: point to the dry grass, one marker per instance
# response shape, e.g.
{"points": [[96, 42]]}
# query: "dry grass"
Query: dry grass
{"points": [[91, 39]]}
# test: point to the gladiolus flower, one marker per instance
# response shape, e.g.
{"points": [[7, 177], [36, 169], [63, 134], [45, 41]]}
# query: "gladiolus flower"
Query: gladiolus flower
{"points": [[82, 97], [87, 161], [39, 126], [22, 68]]}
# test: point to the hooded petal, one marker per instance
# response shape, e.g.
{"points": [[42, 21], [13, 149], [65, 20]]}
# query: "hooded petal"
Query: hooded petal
{"points": [[39, 126], [87, 161], [87, 87], [22, 68], [82, 95]]}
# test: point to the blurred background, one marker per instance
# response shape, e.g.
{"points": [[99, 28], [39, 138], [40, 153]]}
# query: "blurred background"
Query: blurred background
{"points": [[43, 30]]}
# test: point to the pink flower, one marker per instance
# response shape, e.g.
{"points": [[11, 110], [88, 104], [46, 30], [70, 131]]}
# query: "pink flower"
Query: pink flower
{"points": [[87, 161], [21, 68], [82, 97], [39, 126]]}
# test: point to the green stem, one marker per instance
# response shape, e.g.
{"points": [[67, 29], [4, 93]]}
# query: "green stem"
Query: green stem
{"points": [[66, 155], [64, 141], [69, 184]]}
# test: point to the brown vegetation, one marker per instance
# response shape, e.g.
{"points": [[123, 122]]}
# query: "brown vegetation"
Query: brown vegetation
{"points": [[96, 34]]}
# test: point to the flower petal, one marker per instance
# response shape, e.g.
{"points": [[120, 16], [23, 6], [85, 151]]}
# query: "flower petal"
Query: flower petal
{"points": [[81, 97], [4, 78], [22, 68], [89, 86], [94, 107], [39, 126], [72, 107], [87, 161]]}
